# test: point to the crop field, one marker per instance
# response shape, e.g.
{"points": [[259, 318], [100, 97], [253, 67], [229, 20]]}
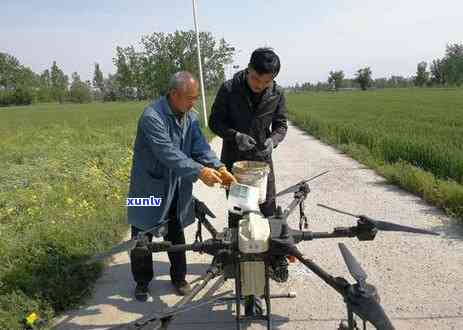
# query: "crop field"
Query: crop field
{"points": [[63, 182], [65, 172], [413, 137]]}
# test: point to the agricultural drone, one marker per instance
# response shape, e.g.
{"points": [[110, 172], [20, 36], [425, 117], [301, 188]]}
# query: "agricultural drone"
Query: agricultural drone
{"points": [[245, 252]]}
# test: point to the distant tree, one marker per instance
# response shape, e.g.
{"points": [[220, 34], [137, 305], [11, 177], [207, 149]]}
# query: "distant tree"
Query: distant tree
{"points": [[400, 82], [22, 95], [336, 79], [111, 88], [145, 74], [437, 72], [422, 76], [322, 86], [449, 69], [44, 91], [453, 64], [17, 83], [125, 74], [380, 83], [350, 83], [79, 92], [59, 83], [363, 78], [98, 80], [9, 70], [307, 86]]}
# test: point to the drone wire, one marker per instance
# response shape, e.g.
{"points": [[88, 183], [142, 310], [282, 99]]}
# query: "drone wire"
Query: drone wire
{"points": [[339, 211]]}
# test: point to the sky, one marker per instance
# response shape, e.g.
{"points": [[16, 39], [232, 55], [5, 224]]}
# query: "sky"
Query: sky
{"points": [[311, 37]]}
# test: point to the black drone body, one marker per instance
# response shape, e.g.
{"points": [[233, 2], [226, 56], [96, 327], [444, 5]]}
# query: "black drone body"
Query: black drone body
{"points": [[230, 263]]}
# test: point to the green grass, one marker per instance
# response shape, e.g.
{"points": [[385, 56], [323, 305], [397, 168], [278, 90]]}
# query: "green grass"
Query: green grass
{"points": [[65, 176], [64, 181], [413, 137]]}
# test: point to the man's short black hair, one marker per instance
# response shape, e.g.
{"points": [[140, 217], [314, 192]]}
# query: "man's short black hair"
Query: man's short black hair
{"points": [[264, 60]]}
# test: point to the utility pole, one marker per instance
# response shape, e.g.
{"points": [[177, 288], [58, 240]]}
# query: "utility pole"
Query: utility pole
{"points": [[201, 80]]}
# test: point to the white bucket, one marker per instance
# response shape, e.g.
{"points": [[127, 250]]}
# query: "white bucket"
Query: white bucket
{"points": [[253, 173]]}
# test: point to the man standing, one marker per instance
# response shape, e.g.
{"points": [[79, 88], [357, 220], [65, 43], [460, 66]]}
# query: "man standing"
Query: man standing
{"points": [[170, 153], [249, 114]]}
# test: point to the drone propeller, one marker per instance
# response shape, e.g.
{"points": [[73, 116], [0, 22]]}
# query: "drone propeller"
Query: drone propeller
{"points": [[383, 225], [127, 245], [365, 303], [364, 299], [295, 187], [352, 264], [201, 210], [124, 246]]}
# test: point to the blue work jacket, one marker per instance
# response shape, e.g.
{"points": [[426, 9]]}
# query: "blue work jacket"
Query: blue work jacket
{"points": [[166, 154]]}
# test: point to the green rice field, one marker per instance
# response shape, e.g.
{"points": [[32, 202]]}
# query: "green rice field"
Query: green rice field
{"points": [[413, 137]]}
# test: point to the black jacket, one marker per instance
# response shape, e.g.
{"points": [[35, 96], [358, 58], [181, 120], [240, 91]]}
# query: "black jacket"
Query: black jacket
{"points": [[234, 111], [237, 109]]}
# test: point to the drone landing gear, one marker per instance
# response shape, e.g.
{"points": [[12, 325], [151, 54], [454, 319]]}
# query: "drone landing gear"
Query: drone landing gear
{"points": [[253, 309], [345, 326], [252, 306], [351, 324]]}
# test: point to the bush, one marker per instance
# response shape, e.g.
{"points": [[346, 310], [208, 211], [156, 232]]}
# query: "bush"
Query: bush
{"points": [[80, 93], [19, 96], [22, 96], [6, 98]]}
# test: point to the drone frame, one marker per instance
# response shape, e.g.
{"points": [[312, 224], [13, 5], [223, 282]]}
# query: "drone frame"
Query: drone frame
{"points": [[361, 298]]}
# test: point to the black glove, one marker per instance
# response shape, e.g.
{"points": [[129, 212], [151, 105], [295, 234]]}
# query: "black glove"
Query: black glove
{"points": [[244, 142], [268, 148]]}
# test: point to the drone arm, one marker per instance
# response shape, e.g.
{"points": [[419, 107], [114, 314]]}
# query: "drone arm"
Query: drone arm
{"points": [[211, 273], [300, 235], [209, 246], [210, 228], [362, 232], [299, 197], [201, 210], [285, 247], [337, 283], [162, 320]]}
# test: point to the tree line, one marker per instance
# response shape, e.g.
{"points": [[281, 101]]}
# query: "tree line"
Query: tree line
{"points": [[444, 72], [140, 74]]}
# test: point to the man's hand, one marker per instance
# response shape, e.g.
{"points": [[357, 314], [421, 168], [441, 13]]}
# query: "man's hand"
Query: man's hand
{"points": [[210, 176], [227, 177], [268, 148], [244, 141]]}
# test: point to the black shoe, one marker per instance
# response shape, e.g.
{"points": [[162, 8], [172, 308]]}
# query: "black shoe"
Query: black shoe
{"points": [[183, 287], [141, 292]]}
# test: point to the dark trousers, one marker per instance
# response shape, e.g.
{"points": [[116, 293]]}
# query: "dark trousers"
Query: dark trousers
{"points": [[141, 260]]}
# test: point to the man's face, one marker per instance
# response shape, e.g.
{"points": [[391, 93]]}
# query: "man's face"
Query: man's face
{"points": [[259, 82], [183, 100]]}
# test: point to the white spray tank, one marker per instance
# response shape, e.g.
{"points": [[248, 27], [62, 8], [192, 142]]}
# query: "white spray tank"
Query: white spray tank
{"points": [[254, 234]]}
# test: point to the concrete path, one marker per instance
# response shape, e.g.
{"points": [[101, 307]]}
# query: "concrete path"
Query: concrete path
{"points": [[419, 278]]}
